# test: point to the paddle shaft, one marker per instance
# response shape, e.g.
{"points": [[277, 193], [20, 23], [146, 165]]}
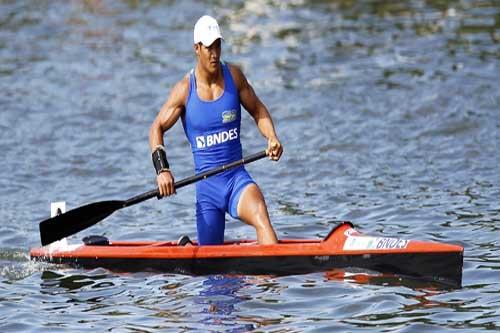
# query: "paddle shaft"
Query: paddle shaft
{"points": [[195, 178]]}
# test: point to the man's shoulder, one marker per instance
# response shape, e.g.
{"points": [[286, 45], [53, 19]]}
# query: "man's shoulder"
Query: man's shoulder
{"points": [[236, 73], [234, 68], [183, 84], [180, 90]]}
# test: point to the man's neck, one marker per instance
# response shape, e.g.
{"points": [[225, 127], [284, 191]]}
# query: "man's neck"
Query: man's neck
{"points": [[206, 77]]}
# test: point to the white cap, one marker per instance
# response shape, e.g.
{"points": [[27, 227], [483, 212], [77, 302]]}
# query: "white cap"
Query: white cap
{"points": [[206, 30]]}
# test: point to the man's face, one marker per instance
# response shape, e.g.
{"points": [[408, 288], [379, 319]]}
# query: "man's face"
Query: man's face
{"points": [[209, 56]]}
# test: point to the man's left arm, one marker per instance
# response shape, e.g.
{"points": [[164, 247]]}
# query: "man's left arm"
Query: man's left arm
{"points": [[259, 113]]}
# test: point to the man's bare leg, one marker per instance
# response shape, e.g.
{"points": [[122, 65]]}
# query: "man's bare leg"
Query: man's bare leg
{"points": [[252, 210]]}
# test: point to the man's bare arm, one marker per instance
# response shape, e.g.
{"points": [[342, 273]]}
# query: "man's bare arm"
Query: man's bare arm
{"points": [[258, 111], [166, 118], [169, 113]]}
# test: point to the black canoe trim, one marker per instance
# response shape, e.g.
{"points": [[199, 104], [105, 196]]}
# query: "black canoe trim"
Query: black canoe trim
{"points": [[445, 268]]}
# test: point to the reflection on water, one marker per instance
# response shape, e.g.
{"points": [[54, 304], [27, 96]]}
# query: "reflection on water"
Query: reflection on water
{"points": [[218, 302], [53, 281], [363, 276], [220, 296]]}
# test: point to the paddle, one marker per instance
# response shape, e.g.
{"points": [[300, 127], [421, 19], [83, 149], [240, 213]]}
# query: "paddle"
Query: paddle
{"points": [[80, 218]]}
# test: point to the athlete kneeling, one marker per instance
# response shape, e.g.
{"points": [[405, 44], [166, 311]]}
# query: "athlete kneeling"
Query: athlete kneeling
{"points": [[208, 100]]}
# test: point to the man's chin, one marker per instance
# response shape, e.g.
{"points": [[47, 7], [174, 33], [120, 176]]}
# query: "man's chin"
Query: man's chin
{"points": [[213, 68]]}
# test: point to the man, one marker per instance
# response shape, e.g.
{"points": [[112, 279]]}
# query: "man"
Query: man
{"points": [[208, 100]]}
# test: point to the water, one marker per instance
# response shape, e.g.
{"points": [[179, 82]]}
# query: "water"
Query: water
{"points": [[388, 112]]}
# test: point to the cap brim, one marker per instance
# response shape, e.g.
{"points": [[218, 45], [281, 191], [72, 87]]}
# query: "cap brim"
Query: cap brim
{"points": [[211, 39]]}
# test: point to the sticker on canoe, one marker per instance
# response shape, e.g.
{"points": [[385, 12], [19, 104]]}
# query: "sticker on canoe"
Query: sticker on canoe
{"points": [[374, 243]]}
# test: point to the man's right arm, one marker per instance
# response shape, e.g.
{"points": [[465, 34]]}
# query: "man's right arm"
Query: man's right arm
{"points": [[166, 118]]}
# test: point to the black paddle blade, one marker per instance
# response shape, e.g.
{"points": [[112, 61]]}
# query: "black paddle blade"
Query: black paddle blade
{"points": [[75, 220]]}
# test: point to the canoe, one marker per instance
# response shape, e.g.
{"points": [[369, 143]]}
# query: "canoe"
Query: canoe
{"points": [[343, 247]]}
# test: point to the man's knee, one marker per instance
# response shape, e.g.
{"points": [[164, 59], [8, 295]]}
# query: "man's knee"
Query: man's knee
{"points": [[256, 205]]}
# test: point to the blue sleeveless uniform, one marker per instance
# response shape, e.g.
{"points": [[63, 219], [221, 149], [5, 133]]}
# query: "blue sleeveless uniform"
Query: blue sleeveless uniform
{"points": [[213, 130]]}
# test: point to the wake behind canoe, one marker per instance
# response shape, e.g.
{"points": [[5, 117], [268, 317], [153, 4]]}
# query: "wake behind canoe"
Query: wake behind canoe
{"points": [[343, 247]]}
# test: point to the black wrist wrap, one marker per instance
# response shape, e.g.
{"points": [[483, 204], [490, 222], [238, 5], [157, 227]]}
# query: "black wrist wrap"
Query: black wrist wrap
{"points": [[160, 160]]}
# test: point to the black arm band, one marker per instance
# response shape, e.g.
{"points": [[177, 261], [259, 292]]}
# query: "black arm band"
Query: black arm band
{"points": [[160, 160]]}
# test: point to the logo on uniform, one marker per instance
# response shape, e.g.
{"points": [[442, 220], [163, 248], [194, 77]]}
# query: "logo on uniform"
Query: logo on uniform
{"points": [[200, 141], [228, 116], [209, 140]]}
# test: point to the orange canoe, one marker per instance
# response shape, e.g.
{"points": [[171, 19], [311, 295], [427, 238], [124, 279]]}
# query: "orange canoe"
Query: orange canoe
{"points": [[343, 247]]}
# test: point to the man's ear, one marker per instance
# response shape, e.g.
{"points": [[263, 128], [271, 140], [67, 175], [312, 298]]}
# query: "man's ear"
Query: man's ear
{"points": [[196, 48]]}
